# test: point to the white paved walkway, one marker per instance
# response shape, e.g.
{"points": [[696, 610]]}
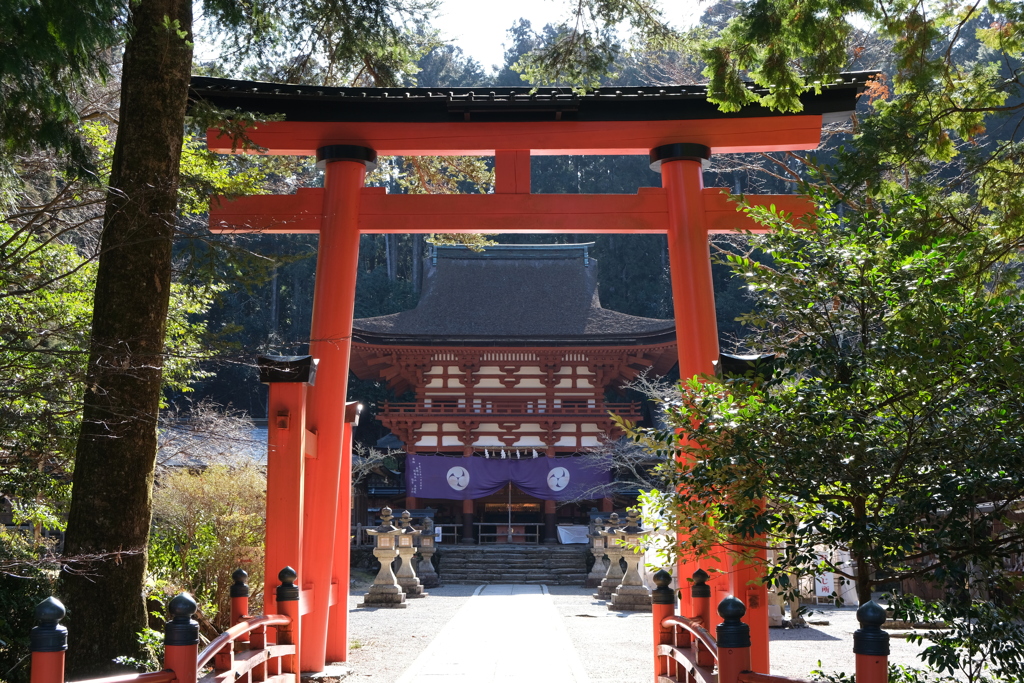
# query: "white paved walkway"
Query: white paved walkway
{"points": [[503, 633]]}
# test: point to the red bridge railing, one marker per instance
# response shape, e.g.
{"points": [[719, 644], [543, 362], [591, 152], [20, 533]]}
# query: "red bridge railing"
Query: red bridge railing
{"points": [[686, 652], [255, 649]]}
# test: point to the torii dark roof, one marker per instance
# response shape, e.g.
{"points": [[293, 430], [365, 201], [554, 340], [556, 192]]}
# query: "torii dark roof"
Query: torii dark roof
{"points": [[488, 103], [512, 295]]}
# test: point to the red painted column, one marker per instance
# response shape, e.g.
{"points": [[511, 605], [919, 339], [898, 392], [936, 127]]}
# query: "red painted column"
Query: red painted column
{"points": [[330, 343], [693, 293], [337, 624], [693, 298], [286, 436]]}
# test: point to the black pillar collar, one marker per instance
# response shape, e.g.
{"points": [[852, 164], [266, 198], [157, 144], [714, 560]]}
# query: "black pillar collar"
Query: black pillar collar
{"points": [[679, 151], [363, 155]]}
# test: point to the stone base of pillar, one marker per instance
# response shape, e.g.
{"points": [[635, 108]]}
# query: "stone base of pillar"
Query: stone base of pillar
{"points": [[596, 575], [631, 599], [426, 572], [606, 588], [383, 595], [412, 587]]}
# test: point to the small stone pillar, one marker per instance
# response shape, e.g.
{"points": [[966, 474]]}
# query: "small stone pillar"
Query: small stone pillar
{"points": [[613, 575], [425, 569], [598, 571], [631, 595], [406, 550], [385, 591]]}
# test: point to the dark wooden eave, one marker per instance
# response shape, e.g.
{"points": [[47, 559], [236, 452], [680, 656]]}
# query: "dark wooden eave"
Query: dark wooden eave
{"points": [[309, 103]]}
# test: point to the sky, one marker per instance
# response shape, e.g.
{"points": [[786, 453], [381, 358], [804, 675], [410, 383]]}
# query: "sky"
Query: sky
{"points": [[479, 26]]}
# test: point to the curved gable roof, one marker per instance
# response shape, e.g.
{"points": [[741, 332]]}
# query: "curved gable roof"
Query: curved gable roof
{"points": [[512, 295]]}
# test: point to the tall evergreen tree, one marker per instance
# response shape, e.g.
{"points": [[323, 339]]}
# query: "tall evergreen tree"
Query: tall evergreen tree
{"points": [[111, 498]]}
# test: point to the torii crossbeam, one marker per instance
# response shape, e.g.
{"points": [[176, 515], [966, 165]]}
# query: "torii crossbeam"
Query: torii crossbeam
{"points": [[346, 128]]}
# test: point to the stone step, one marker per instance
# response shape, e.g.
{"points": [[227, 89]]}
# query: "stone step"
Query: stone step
{"points": [[554, 565]]}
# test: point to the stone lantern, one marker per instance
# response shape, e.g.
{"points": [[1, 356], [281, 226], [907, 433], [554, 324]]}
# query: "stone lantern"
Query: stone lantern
{"points": [[406, 573], [598, 571], [631, 595], [425, 568], [385, 591], [613, 576]]}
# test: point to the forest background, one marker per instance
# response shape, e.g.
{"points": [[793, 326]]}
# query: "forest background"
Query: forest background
{"points": [[234, 298]]}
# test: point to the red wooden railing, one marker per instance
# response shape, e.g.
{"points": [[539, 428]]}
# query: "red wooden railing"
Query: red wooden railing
{"points": [[255, 649], [686, 652]]}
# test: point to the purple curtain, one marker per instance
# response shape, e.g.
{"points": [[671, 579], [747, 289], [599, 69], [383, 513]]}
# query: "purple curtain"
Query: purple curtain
{"points": [[432, 476]]}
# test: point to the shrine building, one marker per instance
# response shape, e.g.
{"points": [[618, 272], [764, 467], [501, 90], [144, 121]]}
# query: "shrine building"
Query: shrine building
{"points": [[512, 360]]}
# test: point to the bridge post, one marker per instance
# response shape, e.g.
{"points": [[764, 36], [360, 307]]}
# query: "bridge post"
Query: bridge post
{"points": [[48, 641], [733, 638], [181, 639], [240, 600], [287, 598], [663, 605], [700, 597], [871, 644]]}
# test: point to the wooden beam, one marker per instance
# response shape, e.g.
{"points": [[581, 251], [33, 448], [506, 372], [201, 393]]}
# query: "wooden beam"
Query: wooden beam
{"points": [[512, 171], [643, 213], [722, 214], [478, 138], [301, 212]]}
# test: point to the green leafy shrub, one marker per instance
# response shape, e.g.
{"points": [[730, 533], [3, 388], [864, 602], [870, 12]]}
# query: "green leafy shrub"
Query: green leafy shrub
{"points": [[206, 524]]}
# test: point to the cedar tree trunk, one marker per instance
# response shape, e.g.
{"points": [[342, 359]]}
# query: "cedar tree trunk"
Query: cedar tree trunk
{"points": [[111, 500]]}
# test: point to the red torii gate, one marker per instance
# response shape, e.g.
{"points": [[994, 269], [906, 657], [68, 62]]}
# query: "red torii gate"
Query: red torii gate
{"points": [[346, 128]]}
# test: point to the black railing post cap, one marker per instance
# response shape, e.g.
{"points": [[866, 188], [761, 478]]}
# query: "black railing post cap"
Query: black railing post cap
{"points": [[181, 628], [732, 632], [663, 595], [870, 639], [49, 635], [239, 589], [700, 587], [287, 591]]}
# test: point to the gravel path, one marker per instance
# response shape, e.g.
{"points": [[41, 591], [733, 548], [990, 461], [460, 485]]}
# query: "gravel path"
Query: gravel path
{"points": [[384, 642], [614, 647]]}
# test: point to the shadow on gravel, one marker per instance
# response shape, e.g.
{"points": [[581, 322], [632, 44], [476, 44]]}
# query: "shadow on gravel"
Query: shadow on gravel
{"points": [[800, 634]]}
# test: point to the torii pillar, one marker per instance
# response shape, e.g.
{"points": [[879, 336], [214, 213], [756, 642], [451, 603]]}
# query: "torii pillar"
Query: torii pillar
{"points": [[334, 296], [693, 297]]}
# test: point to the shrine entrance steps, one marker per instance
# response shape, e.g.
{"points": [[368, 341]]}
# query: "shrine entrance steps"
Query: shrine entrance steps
{"points": [[557, 565]]}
